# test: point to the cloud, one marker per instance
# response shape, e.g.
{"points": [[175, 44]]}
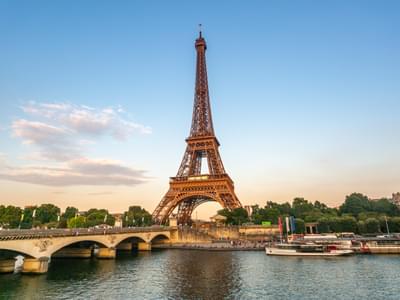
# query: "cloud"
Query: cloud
{"points": [[76, 172], [61, 130], [54, 142], [88, 120]]}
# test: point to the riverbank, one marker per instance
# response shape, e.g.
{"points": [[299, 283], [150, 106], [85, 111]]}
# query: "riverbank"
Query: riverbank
{"points": [[213, 246]]}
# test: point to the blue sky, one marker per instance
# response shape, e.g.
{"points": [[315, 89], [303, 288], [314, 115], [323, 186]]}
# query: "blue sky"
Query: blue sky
{"points": [[305, 97]]}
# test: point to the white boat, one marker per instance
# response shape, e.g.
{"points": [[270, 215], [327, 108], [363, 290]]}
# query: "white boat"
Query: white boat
{"points": [[306, 250], [382, 246]]}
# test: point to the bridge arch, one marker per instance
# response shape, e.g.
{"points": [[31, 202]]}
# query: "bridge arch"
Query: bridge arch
{"points": [[127, 237], [63, 243], [160, 237], [19, 251], [188, 203]]}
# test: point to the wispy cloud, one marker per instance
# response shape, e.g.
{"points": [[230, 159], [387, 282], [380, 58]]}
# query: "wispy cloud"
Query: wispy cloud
{"points": [[62, 131], [54, 142], [88, 120], [76, 172]]}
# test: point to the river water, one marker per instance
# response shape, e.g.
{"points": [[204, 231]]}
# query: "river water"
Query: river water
{"points": [[194, 274]]}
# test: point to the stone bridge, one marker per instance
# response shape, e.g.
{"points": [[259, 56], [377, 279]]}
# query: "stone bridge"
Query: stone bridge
{"points": [[39, 246]]}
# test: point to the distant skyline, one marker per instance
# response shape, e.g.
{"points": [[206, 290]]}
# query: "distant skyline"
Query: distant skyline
{"points": [[96, 99]]}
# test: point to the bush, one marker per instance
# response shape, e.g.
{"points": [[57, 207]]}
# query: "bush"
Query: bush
{"points": [[372, 225], [300, 227]]}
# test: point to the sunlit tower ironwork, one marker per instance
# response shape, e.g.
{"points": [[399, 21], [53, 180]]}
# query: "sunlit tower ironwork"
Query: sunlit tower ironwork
{"points": [[190, 187]]}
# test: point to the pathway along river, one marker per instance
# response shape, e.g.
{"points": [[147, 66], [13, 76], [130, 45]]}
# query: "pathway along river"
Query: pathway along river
{"points": [[193, 274]]}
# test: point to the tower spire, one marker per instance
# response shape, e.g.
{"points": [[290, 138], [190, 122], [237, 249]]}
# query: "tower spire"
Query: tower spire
{"points": [[202, 124]]}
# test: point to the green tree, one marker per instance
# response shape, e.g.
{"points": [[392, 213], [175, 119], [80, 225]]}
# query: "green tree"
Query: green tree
{"points": [[324, 225], [371, 225], [300, 226], [384, 206], [236, 216], [70, 212], [137, 216], [10, 216], [47, 213], [335, 224], [301, 207], [27, 221], [265, 214], [99, 216], [361, 229], [354, 204], [77, 222], [348, 224], [394, 224]]}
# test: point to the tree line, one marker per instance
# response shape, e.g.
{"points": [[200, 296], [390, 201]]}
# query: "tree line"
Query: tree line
{"points": [[50, 216], [357, 214]]}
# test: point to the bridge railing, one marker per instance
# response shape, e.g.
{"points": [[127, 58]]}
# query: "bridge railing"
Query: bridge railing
{"points": [[12, 234]]}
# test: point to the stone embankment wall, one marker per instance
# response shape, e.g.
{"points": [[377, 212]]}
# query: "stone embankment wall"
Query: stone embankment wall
{"points": [[191, 235], [207, 235]]}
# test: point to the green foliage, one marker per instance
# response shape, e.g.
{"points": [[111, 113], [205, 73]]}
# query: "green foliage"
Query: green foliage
{"points": [[384, 206], [99, 216], [46, 213], [236, 216], [300, 226], [394, 224], [10, 216], [301, 208], [70, 212], [27, 222], [77, 222], [361, 229], [136, 216], [348, 224], [354, 204], [265, 214], [372, 225]]}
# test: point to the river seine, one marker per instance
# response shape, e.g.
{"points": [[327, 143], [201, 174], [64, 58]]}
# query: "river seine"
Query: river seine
{"points": [[192, 274]]}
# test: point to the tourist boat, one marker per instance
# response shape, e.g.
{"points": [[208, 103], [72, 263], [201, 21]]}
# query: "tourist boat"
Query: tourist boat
{"points": [[327, 240], [381, 246], [307, 249]]}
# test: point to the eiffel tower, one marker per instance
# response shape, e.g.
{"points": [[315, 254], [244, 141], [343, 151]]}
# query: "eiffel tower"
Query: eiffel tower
{"points": [[190, 187]]}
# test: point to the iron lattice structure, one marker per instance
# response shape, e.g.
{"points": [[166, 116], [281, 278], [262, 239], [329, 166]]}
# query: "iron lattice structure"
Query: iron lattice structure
{"points": [[190, 187]]}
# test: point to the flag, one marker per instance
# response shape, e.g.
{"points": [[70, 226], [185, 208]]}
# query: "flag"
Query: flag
{"points": [[292, 224], [105, 218], [280, 225], [126, 218], [287, 225], [58, 218], [34, 213], [22, 217]]}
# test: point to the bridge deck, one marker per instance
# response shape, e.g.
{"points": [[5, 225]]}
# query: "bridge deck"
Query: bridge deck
{"points": [[22, 234]]}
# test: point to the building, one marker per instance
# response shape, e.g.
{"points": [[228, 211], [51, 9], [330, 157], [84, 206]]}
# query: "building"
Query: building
{"points": [[396, 198], [118, 219], [218, 219]]}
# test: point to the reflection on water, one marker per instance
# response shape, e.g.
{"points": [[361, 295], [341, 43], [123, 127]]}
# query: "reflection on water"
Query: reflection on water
{"points": [[185, 274]]}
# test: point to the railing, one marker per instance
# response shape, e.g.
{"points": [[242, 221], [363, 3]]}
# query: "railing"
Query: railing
{"points": [[199, 177], [17, 234]]}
